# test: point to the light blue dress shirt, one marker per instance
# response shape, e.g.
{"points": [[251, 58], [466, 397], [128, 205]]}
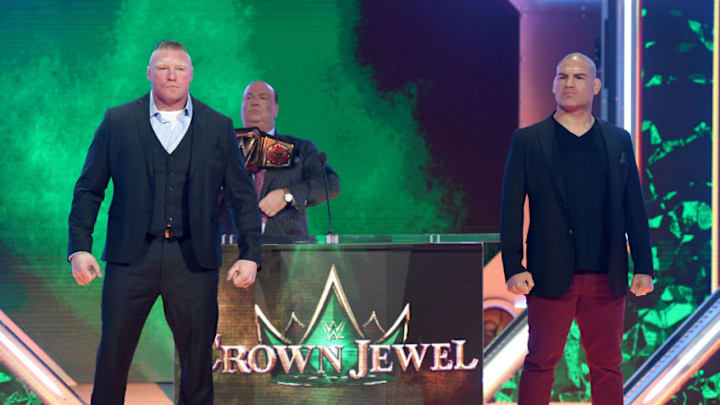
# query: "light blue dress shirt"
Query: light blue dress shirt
{"points": [[168, 134]]}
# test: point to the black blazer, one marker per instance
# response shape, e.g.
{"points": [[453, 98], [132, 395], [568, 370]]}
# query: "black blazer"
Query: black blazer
{"points": [[121, 151], [533, 170]]}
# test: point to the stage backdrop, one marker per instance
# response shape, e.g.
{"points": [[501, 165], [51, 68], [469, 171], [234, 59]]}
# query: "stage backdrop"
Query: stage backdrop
{"points": [[414, 103]]}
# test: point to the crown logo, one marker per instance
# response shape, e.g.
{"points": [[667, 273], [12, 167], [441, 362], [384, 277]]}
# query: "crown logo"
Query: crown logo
{"points": [[333, 331], [327, 351]]}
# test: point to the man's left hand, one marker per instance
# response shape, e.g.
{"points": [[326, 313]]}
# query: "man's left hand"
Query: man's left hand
{"points": [[273, 202], [641, 284], [242, 273]]}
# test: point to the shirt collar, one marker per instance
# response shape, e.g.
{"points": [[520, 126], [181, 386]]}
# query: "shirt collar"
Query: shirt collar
{"points": [[187, 110]]}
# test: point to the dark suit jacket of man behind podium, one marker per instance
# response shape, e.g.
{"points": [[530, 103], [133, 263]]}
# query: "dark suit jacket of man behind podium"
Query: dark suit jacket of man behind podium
{"points": [[122, 150], [305, 181]]}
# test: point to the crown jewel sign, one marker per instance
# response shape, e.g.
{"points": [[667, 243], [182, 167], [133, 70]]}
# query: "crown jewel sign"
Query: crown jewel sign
{"points": [[333, 349], [328, 352]]}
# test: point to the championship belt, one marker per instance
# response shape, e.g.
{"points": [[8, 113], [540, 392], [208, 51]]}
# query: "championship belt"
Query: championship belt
{"points": [[263, 151]]}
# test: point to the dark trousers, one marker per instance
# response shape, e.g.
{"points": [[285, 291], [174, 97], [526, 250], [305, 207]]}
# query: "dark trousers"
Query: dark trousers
{"points": [[599, 315], [190, 305]]}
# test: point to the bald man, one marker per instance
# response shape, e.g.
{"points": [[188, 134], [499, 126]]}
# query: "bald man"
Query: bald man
{"points": [[284, 193], [586, 204]]}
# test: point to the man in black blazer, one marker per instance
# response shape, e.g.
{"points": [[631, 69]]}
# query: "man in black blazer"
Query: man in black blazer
{"points": [[168, 155], [285, 193], [581, 181]]}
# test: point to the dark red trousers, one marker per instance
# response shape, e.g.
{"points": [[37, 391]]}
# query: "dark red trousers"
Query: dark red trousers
{"points": [[599, 315]]}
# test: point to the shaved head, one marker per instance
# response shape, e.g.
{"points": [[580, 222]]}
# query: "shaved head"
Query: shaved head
{"points": [[169, 46], [579, 57], [576, 83]]}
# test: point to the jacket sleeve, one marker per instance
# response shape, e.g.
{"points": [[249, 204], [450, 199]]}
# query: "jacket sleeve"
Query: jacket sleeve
{"points": [[89, 191], [636, 221], [310, 189], [513, 200], [242, 201]]}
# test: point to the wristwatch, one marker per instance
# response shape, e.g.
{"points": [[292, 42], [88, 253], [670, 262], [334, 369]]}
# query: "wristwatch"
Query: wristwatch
{"points": [[288, 197]]}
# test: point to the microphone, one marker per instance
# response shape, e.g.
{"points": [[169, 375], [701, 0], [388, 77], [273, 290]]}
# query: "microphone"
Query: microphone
{"points": [[331, 238]]}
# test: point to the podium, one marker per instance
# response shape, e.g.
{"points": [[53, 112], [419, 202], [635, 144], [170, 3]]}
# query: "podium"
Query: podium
{"points": [[353, 323]]}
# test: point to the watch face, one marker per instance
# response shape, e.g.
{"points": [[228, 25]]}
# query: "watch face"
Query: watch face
{"points": [[288, 198]]}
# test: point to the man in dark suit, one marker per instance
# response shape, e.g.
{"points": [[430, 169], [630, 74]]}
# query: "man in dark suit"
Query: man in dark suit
{"points": [[579, 175], [285, 193], [168, 155]]}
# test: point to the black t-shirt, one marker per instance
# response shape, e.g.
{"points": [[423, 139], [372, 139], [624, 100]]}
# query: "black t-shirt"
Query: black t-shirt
{"points": [[585, 168]]}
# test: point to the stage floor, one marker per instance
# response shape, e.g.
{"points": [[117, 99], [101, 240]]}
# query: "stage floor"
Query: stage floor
{"points": [[136, 394]]}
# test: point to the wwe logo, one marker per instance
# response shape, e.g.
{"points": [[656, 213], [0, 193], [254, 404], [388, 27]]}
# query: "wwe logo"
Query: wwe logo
{"points": [[334, 331]]}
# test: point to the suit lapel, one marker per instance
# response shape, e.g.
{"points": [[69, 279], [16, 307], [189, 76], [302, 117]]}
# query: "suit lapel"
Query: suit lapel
{"points": [[269, 177], [145, 131], [616, 157], [546, 139], [197, 114]]}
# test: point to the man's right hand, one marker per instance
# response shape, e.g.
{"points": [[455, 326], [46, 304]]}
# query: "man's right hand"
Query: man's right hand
{"points": [[85, 268], [520, 283], [273, 203]]}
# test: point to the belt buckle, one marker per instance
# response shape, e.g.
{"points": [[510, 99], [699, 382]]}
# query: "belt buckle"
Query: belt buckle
{"points": [[169, 234]]}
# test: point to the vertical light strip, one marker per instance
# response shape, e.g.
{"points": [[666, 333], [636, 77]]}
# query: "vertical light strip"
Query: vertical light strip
{"points": [[715, 277], [627, 62], [638, 85]]}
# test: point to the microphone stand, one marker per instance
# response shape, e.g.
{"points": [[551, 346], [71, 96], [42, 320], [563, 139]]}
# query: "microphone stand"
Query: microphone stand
{"points": [[330, 238]]}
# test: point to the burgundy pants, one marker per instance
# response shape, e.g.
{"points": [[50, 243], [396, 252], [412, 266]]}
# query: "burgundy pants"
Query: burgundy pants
{"points": [[599, 315]]}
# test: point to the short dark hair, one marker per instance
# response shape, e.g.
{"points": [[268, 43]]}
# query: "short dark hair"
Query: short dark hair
{"points": [[169, 46], [172, 45]]}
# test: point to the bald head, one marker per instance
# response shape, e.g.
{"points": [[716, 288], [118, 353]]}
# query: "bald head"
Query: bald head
{"points": [[579, 57], [261, 84], [259, 106], [575, 84]]}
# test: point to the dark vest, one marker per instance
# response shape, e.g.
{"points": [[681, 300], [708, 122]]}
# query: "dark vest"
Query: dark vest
{"points": [[170, 198]]}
